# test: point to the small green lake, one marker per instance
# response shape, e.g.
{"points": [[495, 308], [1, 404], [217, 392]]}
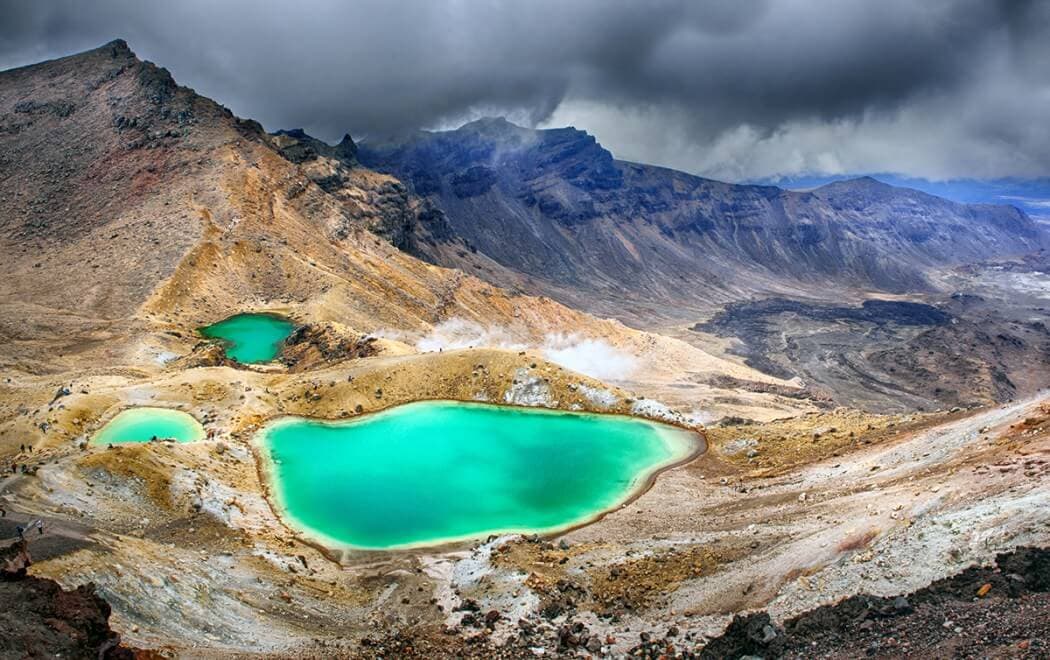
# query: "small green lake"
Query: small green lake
{"points": [[145, 424], [251, 338], [438, 471]]}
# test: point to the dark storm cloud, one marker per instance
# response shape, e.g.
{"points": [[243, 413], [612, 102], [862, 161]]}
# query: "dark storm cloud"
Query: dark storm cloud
{"points": [[734, 88]]}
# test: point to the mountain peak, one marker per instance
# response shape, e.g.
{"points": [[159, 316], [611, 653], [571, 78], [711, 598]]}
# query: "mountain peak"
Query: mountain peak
{"points": [[299, 146], [118, 46], [860, 184], [101, 56], [499, 123], [494, 127], [297, 133], [501, 130], [117, 49], [865, 181]]}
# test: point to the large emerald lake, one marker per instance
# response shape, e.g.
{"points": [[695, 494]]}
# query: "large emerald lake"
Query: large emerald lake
{"points": [[439, 471], [251, 338]]}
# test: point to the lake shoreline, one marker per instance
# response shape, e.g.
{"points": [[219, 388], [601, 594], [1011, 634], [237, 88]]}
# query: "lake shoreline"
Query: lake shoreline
{"points": [[172, 415], [684, 445]]}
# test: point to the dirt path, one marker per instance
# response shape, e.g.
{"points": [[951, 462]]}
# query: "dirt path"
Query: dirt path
{"points": [[58, 537]]}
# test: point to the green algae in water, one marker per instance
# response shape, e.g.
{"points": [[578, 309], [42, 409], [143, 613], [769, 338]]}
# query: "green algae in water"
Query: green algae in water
{"points": [[144, 424], [431, 472], [251, 338]]}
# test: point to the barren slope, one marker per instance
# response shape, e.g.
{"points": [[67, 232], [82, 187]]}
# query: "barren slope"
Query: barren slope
{"points": [[134, 210]]}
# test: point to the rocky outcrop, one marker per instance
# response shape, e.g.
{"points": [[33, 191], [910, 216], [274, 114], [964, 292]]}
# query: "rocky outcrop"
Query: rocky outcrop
{"points": [[528, 389], [40, 619], [379, 202], [298, 147], [204, 354], [14, 560], [318, 344]]}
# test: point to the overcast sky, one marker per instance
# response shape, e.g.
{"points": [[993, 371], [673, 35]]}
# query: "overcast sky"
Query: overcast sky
{"points": [[732, 89]]}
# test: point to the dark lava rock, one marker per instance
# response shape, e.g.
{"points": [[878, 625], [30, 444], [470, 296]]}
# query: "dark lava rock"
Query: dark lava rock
{"points": [[751, 634], [39, 619], [573, 635], [492, 617], [470, 619], [316, 344], [474, 181], [14, 560], [594, 644], [468, 605]]}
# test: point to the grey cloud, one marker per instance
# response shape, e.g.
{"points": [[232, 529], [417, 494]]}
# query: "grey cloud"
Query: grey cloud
{"points": [[730, 88]]}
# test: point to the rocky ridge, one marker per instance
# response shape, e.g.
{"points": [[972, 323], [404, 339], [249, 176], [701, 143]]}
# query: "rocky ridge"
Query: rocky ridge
{"points": [[643, 242]]}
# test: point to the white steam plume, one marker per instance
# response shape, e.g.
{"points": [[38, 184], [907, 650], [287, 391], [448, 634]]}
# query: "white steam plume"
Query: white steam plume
{"points": [[592, 357]]}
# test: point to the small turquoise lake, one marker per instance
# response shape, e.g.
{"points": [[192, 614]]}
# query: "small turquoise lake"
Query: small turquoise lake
{"points": [[439, 471], [251, 338], [145, 424]]}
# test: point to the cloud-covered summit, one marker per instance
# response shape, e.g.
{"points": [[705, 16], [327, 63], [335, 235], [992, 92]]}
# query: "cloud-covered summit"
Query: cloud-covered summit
{"points": [[727, 88]]}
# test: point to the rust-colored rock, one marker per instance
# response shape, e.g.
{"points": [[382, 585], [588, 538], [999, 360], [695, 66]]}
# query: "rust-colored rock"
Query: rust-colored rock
{"points": [[14, 560], [317, 344], [40, 619]]}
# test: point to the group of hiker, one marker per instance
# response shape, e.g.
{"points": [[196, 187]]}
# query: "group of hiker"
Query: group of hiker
{"points": [[22, 530], [38, 525], [25, 467]]}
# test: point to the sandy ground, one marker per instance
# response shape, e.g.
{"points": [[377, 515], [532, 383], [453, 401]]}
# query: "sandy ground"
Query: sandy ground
{"points": [[181, 541]]}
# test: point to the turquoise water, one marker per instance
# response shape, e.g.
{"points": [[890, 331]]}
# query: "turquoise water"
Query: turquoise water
{"points": [[251, 338], [431, 472], [143, 424]]}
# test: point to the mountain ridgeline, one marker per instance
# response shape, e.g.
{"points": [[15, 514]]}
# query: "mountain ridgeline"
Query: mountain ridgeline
{"points": [[132, 205], [628, 239], [123, 193]]}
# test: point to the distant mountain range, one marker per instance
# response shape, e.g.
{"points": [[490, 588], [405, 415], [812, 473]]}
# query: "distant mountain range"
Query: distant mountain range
{"points": [[186, 187], [1030, 195], [637, 241]]}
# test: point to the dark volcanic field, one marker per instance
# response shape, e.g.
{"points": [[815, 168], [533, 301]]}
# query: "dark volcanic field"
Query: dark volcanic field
{"points": [[894, 356]]}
